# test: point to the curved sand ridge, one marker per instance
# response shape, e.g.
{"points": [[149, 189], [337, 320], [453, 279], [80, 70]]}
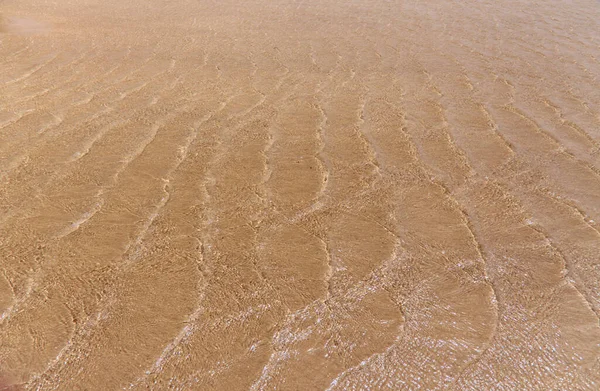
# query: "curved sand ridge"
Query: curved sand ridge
{"points": [[300, 195]]}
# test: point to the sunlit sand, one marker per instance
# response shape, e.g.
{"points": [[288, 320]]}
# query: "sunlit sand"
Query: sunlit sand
{"points": [[299, 195]]}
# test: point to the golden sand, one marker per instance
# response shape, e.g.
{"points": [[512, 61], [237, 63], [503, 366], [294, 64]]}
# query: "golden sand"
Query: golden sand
{"points": [[299, 195]]}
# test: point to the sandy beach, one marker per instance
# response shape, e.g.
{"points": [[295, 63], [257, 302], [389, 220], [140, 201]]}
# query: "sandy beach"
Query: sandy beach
{"points": [[299, 195]]}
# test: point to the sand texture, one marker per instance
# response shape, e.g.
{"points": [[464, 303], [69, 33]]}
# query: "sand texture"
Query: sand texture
{"points": [[299, 195]]}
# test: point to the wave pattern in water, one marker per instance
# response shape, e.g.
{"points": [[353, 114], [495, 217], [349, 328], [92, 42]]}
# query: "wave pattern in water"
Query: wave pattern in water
{"points": [[299, 195]]}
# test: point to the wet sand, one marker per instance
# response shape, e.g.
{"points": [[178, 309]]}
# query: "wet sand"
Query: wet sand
{"points": [[300, 195]]}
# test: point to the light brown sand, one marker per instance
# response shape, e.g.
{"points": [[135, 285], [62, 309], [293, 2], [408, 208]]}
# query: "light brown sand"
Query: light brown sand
{"points": [[300, 195]]}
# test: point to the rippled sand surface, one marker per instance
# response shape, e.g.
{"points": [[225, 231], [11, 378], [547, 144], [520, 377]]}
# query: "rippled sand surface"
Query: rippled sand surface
{"points": [[299, 195]]}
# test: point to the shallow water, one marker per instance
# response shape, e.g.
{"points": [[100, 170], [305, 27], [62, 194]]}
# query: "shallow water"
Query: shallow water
{"points": [[300, 195], [21, 26]]}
